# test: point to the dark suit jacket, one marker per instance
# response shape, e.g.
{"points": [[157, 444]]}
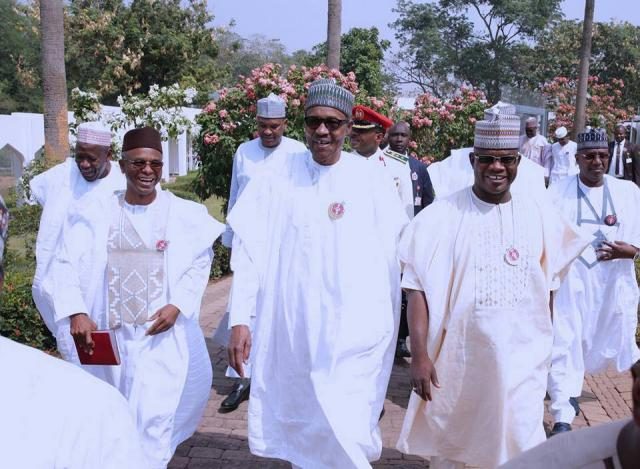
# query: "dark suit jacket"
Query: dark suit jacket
{"points": [[631, 169], [422, 188]]}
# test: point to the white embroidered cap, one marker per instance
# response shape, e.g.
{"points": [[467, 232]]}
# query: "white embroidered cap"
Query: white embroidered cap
{"points": [[500, 128], [272, 107], [94, 133]]}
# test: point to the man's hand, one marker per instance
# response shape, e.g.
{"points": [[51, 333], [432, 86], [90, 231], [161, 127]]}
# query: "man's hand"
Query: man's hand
{"points": [[164, 319], [239, 348], [81, 327], [615, 250], [423, 374]]}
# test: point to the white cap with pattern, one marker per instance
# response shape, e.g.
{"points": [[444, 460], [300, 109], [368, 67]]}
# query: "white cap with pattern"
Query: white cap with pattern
{"points": [[272, 107], [94, 133], [500, 129]]}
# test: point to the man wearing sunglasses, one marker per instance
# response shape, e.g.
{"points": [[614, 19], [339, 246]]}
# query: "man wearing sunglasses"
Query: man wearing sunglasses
{"points": [[595, 309], [89, 174], [266, 152], [478, 268], [314, 249], [137, 263]]}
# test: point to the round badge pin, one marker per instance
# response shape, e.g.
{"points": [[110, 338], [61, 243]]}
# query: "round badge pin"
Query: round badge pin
{"points": [[512, 256], [336, 210], [414, 176], [610, 220]]}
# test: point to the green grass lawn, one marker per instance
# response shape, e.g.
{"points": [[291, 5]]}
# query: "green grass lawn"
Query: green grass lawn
{"points": [[182, 187]]}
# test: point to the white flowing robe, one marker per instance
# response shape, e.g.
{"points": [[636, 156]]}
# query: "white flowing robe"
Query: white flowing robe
{"points": [[586, 448], [166, 378], [55, 416], [490, 332], [534, 150], [250, 160], [596, 307], [324, 291], [455, 172], [56, 190], [562, 162]]}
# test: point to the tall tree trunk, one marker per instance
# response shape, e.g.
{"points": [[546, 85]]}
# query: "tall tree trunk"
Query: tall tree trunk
{"points": [[54, 80], [334, 30], [583, 76]]}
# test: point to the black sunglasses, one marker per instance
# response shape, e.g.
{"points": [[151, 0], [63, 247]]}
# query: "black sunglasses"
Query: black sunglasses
{"points": [[331, 123], [508, 160], [139, 164]]}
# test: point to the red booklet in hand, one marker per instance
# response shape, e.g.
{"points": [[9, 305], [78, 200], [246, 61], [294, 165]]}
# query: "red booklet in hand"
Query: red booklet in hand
{"points": [[105, 350]]}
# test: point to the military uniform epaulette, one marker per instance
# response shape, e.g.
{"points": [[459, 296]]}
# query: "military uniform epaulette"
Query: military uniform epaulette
{"points": [[388, 153]]}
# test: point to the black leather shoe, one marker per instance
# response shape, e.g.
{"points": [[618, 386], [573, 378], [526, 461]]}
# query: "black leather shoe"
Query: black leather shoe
{"points": [[401, 349], [240, 393], [574, 403], [560, 427]]}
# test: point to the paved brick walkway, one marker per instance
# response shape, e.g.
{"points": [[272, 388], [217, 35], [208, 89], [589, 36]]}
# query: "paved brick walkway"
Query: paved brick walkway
{"points": [[221, 441]]}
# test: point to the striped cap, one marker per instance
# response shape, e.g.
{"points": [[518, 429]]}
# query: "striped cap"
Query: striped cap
{"points": [[591, 138], [325, 92], [500, 129]]}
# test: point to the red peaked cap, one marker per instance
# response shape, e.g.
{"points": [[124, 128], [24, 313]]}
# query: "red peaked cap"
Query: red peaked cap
{"points": [[366, 118], [145, 137]]}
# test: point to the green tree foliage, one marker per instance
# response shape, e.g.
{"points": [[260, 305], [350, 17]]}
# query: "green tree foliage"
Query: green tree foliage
{"points": [[362, 52], [20, 85], [615, 55], [442, 45]]}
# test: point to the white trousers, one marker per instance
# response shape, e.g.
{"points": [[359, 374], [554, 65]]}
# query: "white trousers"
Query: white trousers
{"points": [[567, 364]]}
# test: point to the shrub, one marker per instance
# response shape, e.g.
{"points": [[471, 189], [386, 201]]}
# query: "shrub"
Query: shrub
{"points": [[222, 256]]}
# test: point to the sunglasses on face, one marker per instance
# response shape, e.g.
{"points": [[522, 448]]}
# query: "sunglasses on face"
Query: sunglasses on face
{"points": [[331, 123], [140, 164], [508, 160], [593, 156]]}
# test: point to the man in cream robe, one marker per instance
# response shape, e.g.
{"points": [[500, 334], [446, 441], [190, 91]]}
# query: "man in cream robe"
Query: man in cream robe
{"points": [[315, 252], [89, 174], [138, 263], [533, 145], [596, 307], [479, 266]]}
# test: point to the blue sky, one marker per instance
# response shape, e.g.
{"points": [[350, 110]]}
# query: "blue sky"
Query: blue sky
{"points": [[300, 24]]}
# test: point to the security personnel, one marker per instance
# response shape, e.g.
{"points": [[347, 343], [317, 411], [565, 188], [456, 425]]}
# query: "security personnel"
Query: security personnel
{"points": [[396, 154]]}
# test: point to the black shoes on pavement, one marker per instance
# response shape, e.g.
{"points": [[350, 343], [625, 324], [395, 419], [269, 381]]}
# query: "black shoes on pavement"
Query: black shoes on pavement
{"points": [[560, 427], [240, 393], [402, 351]]}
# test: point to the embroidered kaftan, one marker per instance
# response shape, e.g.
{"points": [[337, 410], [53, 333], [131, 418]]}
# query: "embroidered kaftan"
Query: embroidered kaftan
{"points": [[166, 378], [324, 290], [490, 332], [595, 309]]}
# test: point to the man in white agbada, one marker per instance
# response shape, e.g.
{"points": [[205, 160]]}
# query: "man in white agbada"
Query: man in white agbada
{"points": [[613, 445], [532, 144], [315, 252], [138, 263], [479, 266], [265, 153], [595, 310], [562, 159], [55, 416], [89, 174]]}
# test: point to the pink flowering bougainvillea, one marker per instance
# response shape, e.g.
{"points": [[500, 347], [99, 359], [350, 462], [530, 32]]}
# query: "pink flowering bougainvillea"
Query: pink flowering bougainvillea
{"points": [[603, 103]]}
